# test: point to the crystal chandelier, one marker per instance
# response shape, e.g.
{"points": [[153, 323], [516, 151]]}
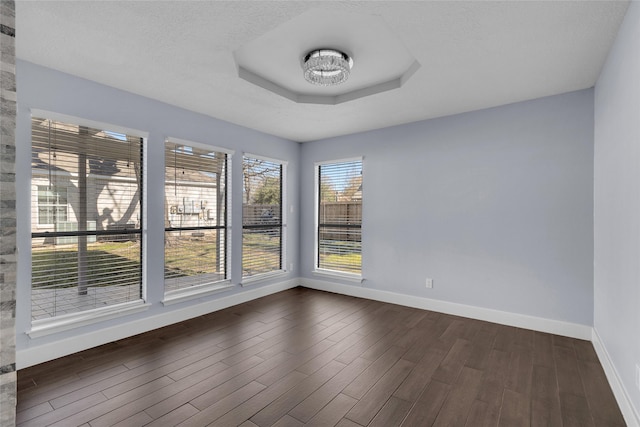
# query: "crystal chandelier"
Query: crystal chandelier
{"points": [[327, 67]]}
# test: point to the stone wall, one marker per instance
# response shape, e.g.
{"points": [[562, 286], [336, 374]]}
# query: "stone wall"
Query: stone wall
{"points": [[7, 214]]}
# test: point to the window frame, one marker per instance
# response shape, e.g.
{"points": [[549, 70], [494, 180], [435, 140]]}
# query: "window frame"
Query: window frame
{"points": [[317, 270], [55, 206], [64, 322], [248, 280], [207, 287]]}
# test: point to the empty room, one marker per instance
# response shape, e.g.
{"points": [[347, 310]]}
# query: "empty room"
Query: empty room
{"points": [[319, 213]]}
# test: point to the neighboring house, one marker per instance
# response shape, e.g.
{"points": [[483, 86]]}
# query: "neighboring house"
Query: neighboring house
{"points": [[112, 199], [55, 193], [192, 199]]}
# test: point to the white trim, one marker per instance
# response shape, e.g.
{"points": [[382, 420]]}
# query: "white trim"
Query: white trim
{"points": [[143, 214], [194, 292], [49, 115], [558, 327], [228, 211], [283, 218], [42, 353], [261, 277], [43, 327], [200, 145], [629, 412], [351, 277], [316, 217], [268, 159]]}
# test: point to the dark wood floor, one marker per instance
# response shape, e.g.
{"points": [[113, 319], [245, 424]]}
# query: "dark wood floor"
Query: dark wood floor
{"points": [[304, 357]]}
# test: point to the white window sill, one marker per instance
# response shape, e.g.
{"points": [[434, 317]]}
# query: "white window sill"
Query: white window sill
{"points": [[43, 327], [252, 280], [194, 292], [350, 277]]}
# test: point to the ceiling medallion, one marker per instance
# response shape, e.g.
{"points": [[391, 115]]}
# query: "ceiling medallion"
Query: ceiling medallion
{"points": [[327, 67]]}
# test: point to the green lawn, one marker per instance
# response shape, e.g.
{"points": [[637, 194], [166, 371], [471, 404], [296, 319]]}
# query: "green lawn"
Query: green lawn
{"points": [[189, 256], [260, 253], [349, 263], [107, 264], [114, 263], [341, 255]]}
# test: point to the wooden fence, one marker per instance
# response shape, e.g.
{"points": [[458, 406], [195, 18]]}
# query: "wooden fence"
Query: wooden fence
{"points": [[348, 212], [260, 214]]}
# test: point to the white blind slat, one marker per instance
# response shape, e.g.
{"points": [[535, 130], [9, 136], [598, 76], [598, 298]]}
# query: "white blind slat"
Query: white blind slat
{"points": [[261, 216], [84, 179], [195, 200], [340, 216]]}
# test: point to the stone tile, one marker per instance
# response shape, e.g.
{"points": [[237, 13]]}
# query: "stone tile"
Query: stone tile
{"points": [[8, 191], [7, 51], [8, 98], [8, 278], [8, 13], [8, 82], [8, 398]]}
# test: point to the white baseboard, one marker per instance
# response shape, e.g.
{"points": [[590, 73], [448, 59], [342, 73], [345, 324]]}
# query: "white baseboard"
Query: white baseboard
{"points": [[573, 330], [629, 412], [45, 352]]}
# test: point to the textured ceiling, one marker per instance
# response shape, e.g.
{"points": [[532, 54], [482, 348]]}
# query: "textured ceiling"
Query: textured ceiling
{"points": [[473, 55]]}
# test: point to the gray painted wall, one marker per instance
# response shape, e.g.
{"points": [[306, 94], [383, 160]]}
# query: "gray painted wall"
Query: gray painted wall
{"points": [[617, 203], [495, 205], [49, 90]]}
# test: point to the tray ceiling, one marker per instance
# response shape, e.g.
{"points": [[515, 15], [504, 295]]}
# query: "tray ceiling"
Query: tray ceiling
{"points": [[471, 55]]}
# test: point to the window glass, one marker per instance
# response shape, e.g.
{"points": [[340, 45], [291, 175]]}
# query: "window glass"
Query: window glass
{"points": [[87, 218], [340, 217], [262, 224], [195, 216], [52, 205]]}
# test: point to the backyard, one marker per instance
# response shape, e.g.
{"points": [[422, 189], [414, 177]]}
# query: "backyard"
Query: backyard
{"points": [[57, 266]]}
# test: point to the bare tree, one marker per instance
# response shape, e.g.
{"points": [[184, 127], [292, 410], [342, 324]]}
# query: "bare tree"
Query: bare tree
{"points": [[253, 174]]}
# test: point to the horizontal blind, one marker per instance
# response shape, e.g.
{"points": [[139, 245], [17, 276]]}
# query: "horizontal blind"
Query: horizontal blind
{"points": [[340, 217], [261, 216], [86, 218], [195, 251]]}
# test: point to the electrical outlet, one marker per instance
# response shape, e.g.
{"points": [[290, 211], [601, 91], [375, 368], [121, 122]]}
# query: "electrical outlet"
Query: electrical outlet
{"points": [[638, 377], [429, 283], [291, 267]]}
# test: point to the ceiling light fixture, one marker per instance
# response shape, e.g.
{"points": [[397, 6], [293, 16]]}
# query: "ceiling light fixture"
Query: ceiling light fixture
{"points": [[327, 67]]}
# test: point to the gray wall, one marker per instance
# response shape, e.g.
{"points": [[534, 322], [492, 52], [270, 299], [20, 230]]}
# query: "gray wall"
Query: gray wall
{"points": [[495, 205], [46, 89], [617, 203]]}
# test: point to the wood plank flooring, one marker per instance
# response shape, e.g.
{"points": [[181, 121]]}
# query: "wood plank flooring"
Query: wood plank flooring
{"points": [[304, 357]]}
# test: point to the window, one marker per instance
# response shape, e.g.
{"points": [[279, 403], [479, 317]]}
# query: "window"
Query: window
{"points": [[87, 184], [52, 205], [196, 192], [262, 216], [340, 217]]}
